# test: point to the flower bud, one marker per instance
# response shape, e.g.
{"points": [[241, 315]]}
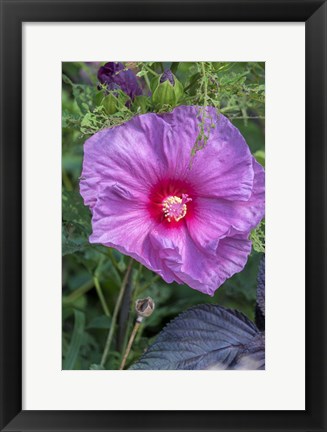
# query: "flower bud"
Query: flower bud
{"points": [[144, 307], [140, 104], [110, 102], [111, 98], [115, 73], [168, 75], [167, 89]]}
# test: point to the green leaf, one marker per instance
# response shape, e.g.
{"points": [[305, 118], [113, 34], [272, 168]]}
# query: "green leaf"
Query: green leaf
{"points": [[89, 123], [98, 97], [67, 80], [174, 67], [260, 157], [258, 237], [140, 104], [96, 367], [141, 73], [74, 238], [76, 226], [110, 103], [76, 341], [100, 322], [74, 210], [96, 260], [72, 163], [83, 94]]}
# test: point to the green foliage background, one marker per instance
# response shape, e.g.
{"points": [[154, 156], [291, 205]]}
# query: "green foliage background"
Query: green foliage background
{"points": [[92, 274]]}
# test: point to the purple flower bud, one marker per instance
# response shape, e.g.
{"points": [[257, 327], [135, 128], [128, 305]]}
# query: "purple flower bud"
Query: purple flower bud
{"points": [[112, 87], [115, 75], [168, 75]]}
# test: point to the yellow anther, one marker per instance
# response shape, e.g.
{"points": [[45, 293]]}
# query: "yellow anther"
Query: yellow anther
{"points": [[175, 207]]}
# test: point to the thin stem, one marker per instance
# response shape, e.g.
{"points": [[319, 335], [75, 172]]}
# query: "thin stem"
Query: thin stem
{"points": [[66, 181], [247, 117], [174, 67], [113, 260], [205, 83], [137, 283], [147, 81], [230, 108], [135, 289], [138, 274], [101, 296], [83, 289], [115, 314], [150, 70], [130, 343]]}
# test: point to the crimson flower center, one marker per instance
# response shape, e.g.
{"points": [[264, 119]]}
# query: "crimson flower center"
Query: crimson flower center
{"points": [[174, 207]]}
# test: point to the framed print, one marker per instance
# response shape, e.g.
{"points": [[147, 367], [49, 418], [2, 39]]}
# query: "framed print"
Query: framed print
{"points": [[163, 215]]}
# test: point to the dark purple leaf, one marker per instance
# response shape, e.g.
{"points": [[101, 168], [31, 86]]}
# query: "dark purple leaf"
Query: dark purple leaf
{"points": [[260, 306], [206, 337]]}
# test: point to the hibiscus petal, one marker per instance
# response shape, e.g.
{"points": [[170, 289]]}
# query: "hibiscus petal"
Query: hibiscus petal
{"points": [[191, 265], [118, 221], [213, 219], [131, 153], [223, 169], [232, 254]]}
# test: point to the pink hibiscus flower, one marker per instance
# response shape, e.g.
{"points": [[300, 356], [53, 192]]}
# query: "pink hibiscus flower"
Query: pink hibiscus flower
{"points": [[188, 222]]}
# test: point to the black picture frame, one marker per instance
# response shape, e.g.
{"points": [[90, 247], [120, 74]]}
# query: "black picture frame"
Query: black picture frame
{"points": [[13, 14]]}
